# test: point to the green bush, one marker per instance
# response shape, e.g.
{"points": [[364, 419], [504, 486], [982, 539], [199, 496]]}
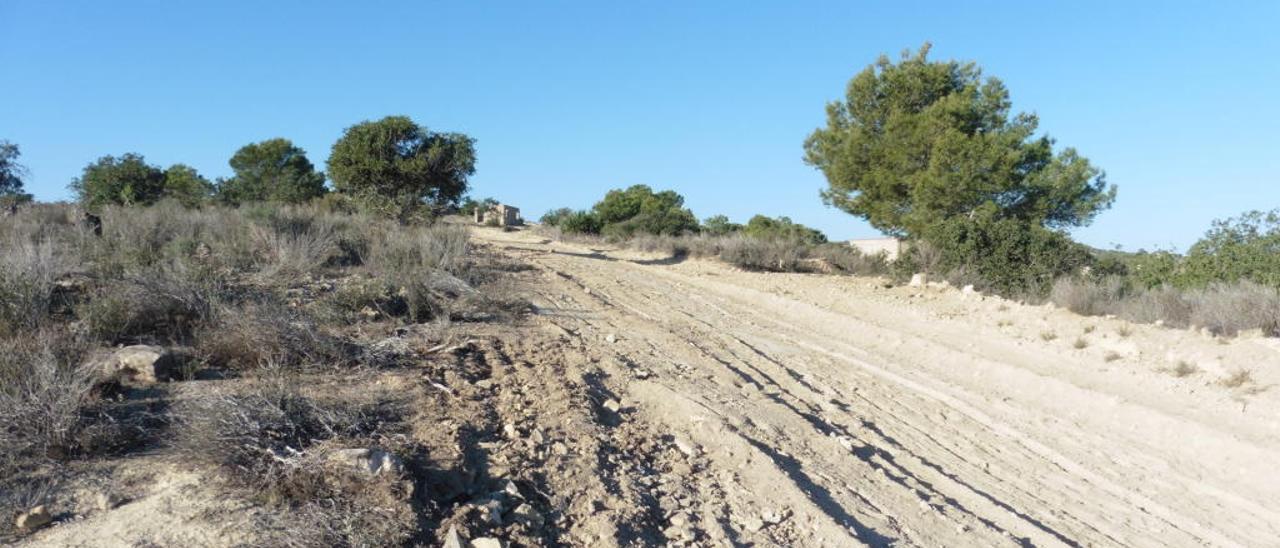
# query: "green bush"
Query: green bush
{"points": [[1008, 256], [556, 216], [784, 228], [580, 222]]}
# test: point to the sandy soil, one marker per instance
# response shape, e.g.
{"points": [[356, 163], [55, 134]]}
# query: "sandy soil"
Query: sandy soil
{"points": [[818, 410]]}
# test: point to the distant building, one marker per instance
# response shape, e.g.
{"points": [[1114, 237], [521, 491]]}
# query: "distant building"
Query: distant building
{"points": [[501, 214], [891, 247]]}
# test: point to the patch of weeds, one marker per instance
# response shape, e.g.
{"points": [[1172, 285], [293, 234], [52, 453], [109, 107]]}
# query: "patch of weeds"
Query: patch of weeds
{"points": [[1238, 378], [1080, 343], [1124, 330], [1183, 368], [1111, 356], [1048, 336]]}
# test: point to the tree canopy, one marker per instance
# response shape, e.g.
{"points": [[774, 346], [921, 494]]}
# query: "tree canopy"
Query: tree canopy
{"points": [[274, 170], [11, 173], [782, 228], [639, 209], [126, 180], [184, 184], [398, 160], [719, 225], [919, 141], [130, 180]]}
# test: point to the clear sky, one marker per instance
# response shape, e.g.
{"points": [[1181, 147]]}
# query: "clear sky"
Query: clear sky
{"points": [[1177, 101]]}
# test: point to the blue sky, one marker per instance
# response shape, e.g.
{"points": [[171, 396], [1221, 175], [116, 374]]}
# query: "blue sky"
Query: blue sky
{"points": [[1177, 101]]}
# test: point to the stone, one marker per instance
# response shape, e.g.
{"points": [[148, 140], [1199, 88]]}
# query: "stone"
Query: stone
{"points": [[527, 516], [685, 447], [486, 542], [968, 290], [918, 280], [611, 338], [33, 519], [142, 363], [372, 461], [613, 405], [452, 539], [107, 501]]}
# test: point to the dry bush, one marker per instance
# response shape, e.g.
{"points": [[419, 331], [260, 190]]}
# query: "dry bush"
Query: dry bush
{"points": [[49, 408], [1164, 304], [1224, 309], [164, 305], [770, 255], [271, 441], [1237, 378], [292, 242], [1183, 368], [426, 267], [850, 260], [1088, 297], [269, 333], [28, 273], [1229, 309]]}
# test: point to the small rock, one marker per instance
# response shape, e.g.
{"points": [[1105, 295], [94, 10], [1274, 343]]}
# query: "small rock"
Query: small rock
{"points": [[536, 437], [920, 279], [107, 501], [34, 519], [484, 384], [753, 524], [613, 405], [642, 373], [372, 461], [560, 448], [510, 431], [773, 517], [687, 448], [961, 528], [452, 539], [611, 338], [528, 516], [486, 542], [142, 363]]}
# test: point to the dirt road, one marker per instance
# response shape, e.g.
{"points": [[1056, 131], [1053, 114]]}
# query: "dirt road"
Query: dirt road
{"points": [[815, 410]]}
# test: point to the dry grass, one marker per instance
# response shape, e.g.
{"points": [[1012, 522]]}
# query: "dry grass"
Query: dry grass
{"points": [[1080, 343], [1048, 336], [1111, 356], [1238, 378], [1183, 369], [1223, 309]]}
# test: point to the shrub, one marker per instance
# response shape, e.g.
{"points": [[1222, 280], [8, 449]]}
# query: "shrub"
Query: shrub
{"points": [[162, 306], [44, 396], [259, 433], [773, 255], [556, 216], [28, 272], [1007, 256], [782, 228], [719, 225], [424, 266], [269, 333], [846, 258], [581, 222], [1229, 309]]}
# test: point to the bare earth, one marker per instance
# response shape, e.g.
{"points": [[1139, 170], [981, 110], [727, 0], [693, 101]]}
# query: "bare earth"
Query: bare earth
{"points": [[655, 400], [820, 410]]}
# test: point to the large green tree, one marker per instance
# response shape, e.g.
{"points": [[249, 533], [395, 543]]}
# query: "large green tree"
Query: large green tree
{"points": [[638, 208], [395, 162], [183, 183], [274, 170], [126, 180], [917, 142], [11, 173]]}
